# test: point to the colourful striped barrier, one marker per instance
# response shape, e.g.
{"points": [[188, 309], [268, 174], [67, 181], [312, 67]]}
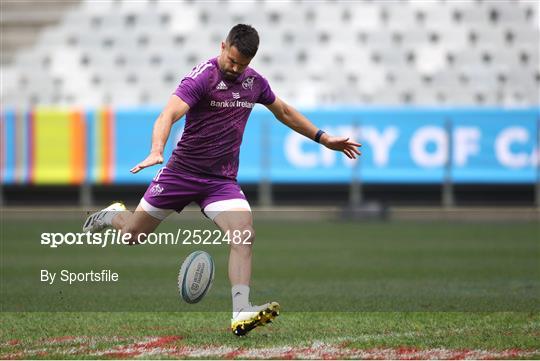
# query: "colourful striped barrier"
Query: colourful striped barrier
{"points": [[15, 147], [57, 140], [57, 146], [102, 150], [66, 146], [7, 140]]}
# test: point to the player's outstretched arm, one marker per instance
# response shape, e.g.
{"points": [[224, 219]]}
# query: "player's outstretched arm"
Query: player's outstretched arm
{"points": [[175, 109], [299, 123]]}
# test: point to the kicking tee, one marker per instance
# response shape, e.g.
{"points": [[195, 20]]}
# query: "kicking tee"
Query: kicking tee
{"points": [[215, 122]]}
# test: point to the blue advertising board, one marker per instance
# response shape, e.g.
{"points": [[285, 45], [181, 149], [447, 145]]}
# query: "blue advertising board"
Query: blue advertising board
{"points": [[407, 146]]}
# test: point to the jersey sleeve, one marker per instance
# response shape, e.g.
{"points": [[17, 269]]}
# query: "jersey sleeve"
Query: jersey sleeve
{"points": [[193, 86], [266, 96]]}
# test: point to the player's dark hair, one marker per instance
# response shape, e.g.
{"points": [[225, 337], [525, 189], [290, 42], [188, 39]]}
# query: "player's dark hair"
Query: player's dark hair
{"points": [[245, 38]]}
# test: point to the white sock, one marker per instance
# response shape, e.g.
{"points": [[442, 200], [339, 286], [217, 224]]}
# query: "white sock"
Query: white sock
{"points": [[240, 297]]}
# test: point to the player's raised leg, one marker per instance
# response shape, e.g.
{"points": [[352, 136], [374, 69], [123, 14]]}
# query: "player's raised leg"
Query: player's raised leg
{"points": [[245, 316], [141, 222]]}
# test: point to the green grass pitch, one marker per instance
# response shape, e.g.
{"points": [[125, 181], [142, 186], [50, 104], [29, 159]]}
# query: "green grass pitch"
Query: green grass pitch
{"points": [[347, 289]]}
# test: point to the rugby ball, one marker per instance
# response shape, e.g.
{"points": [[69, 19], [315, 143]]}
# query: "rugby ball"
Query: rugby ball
{"points": [[196, 276]]}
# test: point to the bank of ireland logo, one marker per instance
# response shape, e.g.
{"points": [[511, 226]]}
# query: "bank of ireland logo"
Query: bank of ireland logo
{"points": [[248, 83], [236, 95], [156, 190]]}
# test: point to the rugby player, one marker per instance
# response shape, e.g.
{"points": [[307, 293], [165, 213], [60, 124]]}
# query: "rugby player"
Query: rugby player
{"points": [[217, 97]]}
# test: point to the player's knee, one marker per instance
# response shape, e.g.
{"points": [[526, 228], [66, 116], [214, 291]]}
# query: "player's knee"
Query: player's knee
{"points": [[242, 237], [248, 235]]}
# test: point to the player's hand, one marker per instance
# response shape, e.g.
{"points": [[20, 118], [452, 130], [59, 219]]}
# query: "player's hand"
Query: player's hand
{"points": [[152, 159], [342, 144]]}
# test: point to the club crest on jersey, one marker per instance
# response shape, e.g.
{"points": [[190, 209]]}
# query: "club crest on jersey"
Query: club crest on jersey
{"points": [[236, 95], [221, 86], [156, 190], [248, 83]]}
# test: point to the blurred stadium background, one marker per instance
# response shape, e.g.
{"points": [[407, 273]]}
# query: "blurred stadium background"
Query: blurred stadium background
{"points": [[444, 95]]}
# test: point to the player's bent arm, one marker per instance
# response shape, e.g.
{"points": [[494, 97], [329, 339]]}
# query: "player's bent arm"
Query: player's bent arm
{"points": [[300, 124], [175, 109]]}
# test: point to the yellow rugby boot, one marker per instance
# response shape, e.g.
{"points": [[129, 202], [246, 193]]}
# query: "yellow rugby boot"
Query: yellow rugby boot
{"points": [[251, 317]]}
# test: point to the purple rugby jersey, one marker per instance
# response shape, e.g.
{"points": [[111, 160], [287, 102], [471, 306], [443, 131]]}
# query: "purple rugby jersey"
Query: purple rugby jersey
{"points": [[215, 122]]}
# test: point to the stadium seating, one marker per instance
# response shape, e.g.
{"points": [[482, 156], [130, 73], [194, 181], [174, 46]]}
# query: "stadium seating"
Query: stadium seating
{"points": [[420, 53]]}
